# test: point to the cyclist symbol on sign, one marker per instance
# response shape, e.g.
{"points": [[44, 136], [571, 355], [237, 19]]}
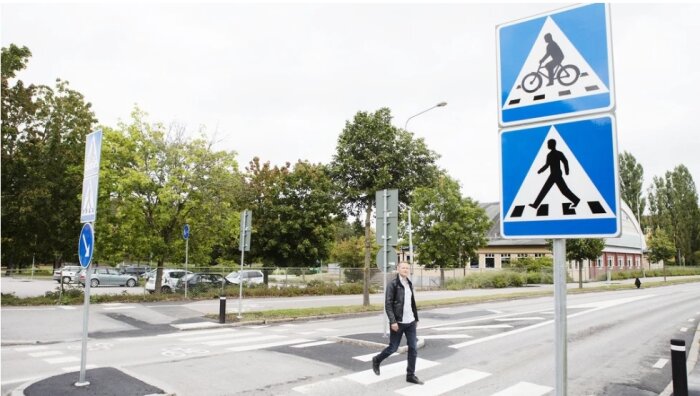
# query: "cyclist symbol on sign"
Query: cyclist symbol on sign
{"points": [[565, 74]]}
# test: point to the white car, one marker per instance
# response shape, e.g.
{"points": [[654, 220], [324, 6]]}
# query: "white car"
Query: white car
{"points": [[253, 277], [69, 274], [169, 281]]}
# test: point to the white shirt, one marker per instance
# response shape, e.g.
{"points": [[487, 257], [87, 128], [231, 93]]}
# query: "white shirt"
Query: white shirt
{"points": [[407, 310]]}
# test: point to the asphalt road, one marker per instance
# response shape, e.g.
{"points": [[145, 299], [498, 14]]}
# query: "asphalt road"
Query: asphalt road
{"points": [[618, 344], [28, 287]]}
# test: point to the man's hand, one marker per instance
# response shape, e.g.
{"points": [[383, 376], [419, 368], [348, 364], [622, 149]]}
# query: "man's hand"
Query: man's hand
{"points": [[394, 327]]}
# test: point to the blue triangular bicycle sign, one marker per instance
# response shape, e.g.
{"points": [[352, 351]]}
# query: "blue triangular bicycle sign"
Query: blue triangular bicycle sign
{"points": [[555, 65]]}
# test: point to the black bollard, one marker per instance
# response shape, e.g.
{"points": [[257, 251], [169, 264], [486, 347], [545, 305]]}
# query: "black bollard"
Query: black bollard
{"points": [[222, 309], [678, 369]]}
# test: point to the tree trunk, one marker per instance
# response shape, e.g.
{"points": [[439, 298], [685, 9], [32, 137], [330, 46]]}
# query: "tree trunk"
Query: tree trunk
{"points": [[580, 274], [368, 256], [159, 275]]}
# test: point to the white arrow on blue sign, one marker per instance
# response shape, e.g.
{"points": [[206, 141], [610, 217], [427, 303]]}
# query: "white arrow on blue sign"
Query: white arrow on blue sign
{"points": [[86, 245], [186, 231], [560, 180], [555, 65]]}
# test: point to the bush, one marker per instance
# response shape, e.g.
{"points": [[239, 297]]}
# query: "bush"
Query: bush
{"points": [[487, 280]]}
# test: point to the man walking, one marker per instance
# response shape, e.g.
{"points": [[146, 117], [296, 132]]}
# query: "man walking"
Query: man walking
{"points": [[400, 306], [554, 159]]}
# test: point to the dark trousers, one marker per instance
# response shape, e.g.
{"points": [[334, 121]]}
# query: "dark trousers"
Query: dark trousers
{"points": [[395, 339]]}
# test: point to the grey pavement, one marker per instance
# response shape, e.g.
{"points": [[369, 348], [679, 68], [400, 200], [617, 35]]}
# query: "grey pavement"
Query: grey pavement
{"points": [[108, 381]]}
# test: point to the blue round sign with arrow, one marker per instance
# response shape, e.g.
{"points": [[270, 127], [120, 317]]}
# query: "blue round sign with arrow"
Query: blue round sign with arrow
{"points": [[186, 231], [86, 245]]}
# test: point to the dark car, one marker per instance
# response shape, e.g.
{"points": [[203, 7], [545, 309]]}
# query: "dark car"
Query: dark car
{"points": [[201, 280], [135, 270]]}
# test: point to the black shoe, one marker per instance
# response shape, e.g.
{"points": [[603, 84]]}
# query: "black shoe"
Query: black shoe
{"points": [[413, 379], [375, 365]]}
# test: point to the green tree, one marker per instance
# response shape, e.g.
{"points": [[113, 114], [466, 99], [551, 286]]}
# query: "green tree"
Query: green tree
{"points": [[631, 181], [43, 144], [349, 253], [294, 213], [583, 249], [660, 246], [371, 155], [154, 181], [673, 203], [449, 228]]}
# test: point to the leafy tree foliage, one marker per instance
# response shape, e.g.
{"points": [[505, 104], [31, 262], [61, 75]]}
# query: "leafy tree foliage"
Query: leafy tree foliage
{"points": [[152, 182], [371, 155], [449, 228], [583, 249], [43, 144], [631, 181], [673, 203], [294, 213], [660, 246]]}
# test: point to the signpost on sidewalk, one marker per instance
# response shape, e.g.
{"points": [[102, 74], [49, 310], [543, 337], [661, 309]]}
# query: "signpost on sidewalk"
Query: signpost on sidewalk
{"points": [[243, 246], [186, 235], [86, 242], [552, 67]]}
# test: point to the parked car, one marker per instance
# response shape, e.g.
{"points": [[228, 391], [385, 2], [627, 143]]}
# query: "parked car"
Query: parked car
{"points": [[169, 281], [253, 277], [201, 280], [135, 270], [69, 273], [108, 277]]}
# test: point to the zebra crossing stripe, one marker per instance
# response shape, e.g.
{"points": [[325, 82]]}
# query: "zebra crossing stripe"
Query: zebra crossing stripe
{"points": [[219, 336], [367, 377], [268, 345], [64, 359], [77, 368], [196, 325], [660, 363], [445, 383], [524, 389], [310, 344], [195, 333], [31, 348], [445, 336], [369, 356]]}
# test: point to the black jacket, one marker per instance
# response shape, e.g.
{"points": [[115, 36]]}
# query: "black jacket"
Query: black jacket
{"points": [[394, 300]]}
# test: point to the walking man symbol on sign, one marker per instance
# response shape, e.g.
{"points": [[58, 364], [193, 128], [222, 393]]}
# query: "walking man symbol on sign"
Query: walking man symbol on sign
{"points": [[554, 159]]}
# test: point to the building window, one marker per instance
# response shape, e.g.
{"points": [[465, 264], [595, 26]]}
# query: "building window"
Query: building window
{"points": [[505, 260], [620, 262], [537, 255], [599, 264], [629, 262], [474, 263], [638, 261], [610, 262], [522, 255], [490, 261]]}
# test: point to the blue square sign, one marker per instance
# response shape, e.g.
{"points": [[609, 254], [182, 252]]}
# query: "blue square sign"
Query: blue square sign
{"points": [[559, 180], [555, 65]]}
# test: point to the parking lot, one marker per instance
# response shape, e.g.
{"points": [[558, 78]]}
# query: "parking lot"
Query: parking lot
{"points": [[28, 287]]}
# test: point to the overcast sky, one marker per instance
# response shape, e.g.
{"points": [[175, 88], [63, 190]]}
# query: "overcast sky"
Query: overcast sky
{"points": [[280, 81]]}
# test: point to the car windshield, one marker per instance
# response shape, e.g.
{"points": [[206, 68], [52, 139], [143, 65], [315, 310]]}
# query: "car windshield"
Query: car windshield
{"points": [[233, 275]]}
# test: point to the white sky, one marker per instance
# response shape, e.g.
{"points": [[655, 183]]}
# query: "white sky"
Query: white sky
{"points": [[280, 81]]}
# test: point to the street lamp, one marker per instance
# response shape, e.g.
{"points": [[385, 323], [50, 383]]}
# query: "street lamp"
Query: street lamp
{"points": [[410, 227], [441, 104]]}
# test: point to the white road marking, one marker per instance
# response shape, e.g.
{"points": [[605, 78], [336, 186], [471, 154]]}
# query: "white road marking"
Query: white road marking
{"points": [[45, 353], [315, 386], [445, 383], [67, 308], [64, 359], [684, 329], [660, 363], [257, 327], [368, 357], [243, 340], [310, 344], [397, 369], [268, 345], [524, 389], [196, 325], [119, 307], [691, 320]]}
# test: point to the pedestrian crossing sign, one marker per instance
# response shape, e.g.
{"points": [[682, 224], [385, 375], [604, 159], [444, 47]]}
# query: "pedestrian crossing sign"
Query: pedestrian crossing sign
{"points": [[555, 65], [559, 180]]}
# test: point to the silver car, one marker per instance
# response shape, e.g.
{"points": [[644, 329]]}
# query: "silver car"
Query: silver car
{"points": [[108, 277], [68, 273]]}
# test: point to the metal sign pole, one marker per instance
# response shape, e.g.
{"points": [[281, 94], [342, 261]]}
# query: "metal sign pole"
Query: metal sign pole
{"points": [[86, 314], [410, 241], [386, 253], [184, 277], [559, 250], [240, 274]]}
